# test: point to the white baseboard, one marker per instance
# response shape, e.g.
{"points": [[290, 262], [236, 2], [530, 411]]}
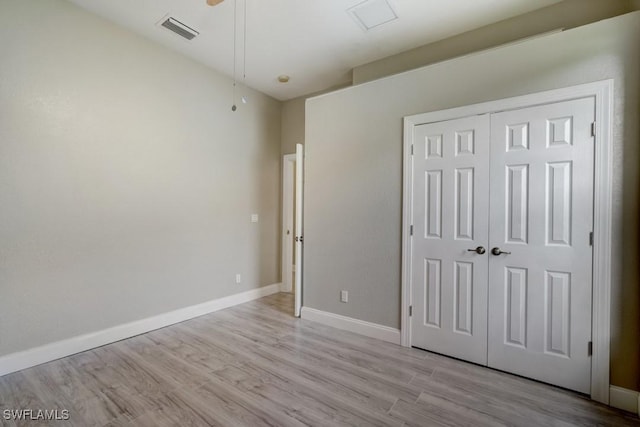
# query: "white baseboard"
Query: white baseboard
{"points": [[373, 330], [285, 288], [46, 353], [622, 398]]}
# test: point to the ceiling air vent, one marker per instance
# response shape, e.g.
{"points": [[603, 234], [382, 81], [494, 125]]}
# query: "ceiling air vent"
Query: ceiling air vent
{"points": [[372, 13], [179, 28]]}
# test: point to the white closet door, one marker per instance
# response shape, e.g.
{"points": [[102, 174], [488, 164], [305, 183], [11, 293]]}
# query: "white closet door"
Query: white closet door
{"points": [[541, 209], [450, 220]]}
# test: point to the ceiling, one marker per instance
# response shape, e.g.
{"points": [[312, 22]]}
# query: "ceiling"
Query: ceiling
{"points": [[316, 42]]}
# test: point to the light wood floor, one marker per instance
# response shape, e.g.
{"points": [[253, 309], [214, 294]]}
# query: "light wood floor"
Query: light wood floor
{"points": [[255, 364]]}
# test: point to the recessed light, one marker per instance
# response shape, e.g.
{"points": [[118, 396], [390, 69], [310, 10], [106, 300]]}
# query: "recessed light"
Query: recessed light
{"points": [[283, 78], [372, 13]]}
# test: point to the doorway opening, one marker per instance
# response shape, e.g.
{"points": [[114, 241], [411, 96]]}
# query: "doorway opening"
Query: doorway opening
{"points": [[292, 236]]}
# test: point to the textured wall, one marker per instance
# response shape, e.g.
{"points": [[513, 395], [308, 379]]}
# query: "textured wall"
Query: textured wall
{"points": [[126, 183], [353, 170], [292, 125], [566, 14]]}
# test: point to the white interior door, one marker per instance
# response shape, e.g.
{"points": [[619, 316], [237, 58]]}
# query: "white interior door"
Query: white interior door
{"points": [[541, 217], [288, 216], [523, 304], [298, 224], [450, 234]]}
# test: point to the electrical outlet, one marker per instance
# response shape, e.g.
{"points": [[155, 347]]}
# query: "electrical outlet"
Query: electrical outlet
{"points": [[238, 278], [344, 296], [254, 218]]}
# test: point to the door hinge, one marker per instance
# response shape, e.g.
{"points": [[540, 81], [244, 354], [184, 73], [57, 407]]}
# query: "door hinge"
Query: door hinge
{"points": [[410, 310], [590, 348], [591, 238], [412, 149], [593, 129], [411, 230]]}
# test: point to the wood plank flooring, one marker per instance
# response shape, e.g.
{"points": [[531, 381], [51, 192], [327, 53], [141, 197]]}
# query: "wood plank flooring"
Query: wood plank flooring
{"points": [[257, 365]]}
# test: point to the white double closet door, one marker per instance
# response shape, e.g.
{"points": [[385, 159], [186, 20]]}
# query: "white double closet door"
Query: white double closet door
{"points": [[501, 259]]}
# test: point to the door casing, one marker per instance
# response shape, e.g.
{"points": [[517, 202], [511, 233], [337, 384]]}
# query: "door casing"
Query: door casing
{"points": [[299, 237], [602, 92]]}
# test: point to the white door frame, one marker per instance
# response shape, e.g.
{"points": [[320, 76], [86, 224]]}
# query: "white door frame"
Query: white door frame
{"points": [[602, 92], [297, 283], [288, 199]]}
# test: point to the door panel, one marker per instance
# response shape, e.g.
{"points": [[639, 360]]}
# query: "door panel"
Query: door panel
{"points": [[516, 306], [541, 214], [450, 216]]}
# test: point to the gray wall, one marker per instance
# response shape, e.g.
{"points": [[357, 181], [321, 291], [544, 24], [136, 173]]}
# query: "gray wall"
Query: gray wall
{"points": [[292, 125], [566, 14], [353, 170], [126, 182], [293, 119]]}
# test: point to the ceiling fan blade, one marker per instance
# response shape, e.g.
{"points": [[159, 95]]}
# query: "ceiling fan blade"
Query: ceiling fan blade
{"points": [[214, 2]]}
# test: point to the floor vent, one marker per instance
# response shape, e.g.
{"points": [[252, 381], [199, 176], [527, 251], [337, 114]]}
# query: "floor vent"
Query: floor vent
{"points": [[179, 28]]}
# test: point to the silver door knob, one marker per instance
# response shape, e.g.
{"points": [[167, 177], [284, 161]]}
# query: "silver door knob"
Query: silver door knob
{"points": [[496, 251], [479, 250]]}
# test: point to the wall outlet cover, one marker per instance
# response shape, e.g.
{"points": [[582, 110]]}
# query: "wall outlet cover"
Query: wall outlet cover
{"points": [[344, 296]]}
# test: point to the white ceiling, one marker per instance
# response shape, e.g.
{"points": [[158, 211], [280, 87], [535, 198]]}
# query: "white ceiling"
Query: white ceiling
{"points": [[316, 42]]}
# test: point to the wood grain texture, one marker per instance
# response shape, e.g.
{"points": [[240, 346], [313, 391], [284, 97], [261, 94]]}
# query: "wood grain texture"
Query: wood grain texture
{"points": [[257, 365]]}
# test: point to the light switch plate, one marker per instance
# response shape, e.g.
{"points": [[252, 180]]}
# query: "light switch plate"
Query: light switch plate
{"points": [[254, 218], [344, 296]]}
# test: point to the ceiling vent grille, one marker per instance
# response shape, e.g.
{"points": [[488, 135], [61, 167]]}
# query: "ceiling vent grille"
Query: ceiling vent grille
{"points": [[179, 28]]}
